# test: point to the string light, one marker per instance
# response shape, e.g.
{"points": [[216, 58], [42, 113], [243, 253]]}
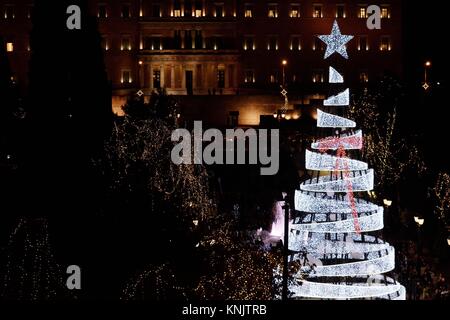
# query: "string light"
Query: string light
{"points": [[31, 270], [328, 120], [352, 141], [341, 99], [367, 223], [323, 203], [335, 42], [327, 232], [334, 76], [361, 181], [324, 162]]}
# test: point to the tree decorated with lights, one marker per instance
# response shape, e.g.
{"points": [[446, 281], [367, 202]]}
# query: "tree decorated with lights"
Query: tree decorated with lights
{"points": [[328, 234]]}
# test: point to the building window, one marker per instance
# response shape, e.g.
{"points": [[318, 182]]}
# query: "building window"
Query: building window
{"points": [[249, 43], [9, 46], [177, 13], [157, 79], [9, 12], [248, 11], [340, 11], [363, 44], [272, 43], [156, 10], [126, 77], [362, 12], [126, 43], [364, 77], [249, 76], [105, 43], [219, 11], [318, 76], [199, 9], [317, 11], [198, 39], [188, 39], [295, 44], [295, 11], [385, 44], [273, 77], [29, 11], [198, 13], [272, 10], [153, 43], [188, 8], [221, 78], [102, 11], [385, 12], [318, 44], [126, 13]]}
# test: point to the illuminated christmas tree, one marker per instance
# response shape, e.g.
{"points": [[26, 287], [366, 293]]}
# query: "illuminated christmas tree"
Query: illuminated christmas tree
{"points": [[338, 259]]}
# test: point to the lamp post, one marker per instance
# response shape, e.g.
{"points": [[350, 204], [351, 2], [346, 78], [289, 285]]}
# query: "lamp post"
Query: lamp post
{"points": [[284, 294], [284, 64], [427, 65], [420, 222]]}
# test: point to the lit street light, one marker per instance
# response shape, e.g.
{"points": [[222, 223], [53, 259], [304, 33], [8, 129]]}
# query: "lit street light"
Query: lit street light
{"points": [[426, 86], [387, 202], [284, 64], [419, 221]]}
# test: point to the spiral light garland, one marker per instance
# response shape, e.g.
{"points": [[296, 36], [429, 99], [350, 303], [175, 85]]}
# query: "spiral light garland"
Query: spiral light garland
{"points": [[338, 260]]}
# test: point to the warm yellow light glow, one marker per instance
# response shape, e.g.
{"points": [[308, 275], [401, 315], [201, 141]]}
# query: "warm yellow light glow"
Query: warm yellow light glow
{"points": [[9, 47], [140, 12], [283, 116], [140, 62], [296, 116], [284, 62], [428, 64], [448, 241], [288, 117], [419, 221], [387, 202], [275, 115], [195, 222]]}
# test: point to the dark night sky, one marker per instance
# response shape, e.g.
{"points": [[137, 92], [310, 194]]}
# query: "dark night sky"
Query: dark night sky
{"points": [[425, 31]]}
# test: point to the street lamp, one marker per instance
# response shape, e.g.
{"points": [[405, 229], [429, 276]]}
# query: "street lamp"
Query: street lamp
{"points": [[425, 84], [284, 64], [419, 221], [387, 202]]}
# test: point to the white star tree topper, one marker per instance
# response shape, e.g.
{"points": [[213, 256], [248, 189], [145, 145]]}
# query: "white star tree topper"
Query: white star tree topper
{"points": [[336, 41]]}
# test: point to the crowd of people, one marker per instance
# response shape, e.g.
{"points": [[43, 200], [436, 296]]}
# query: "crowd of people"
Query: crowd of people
{"points": [[418, 274]]}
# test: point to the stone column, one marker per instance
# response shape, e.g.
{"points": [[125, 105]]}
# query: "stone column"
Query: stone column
{"points": [[161, 70], [150, 70]]}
